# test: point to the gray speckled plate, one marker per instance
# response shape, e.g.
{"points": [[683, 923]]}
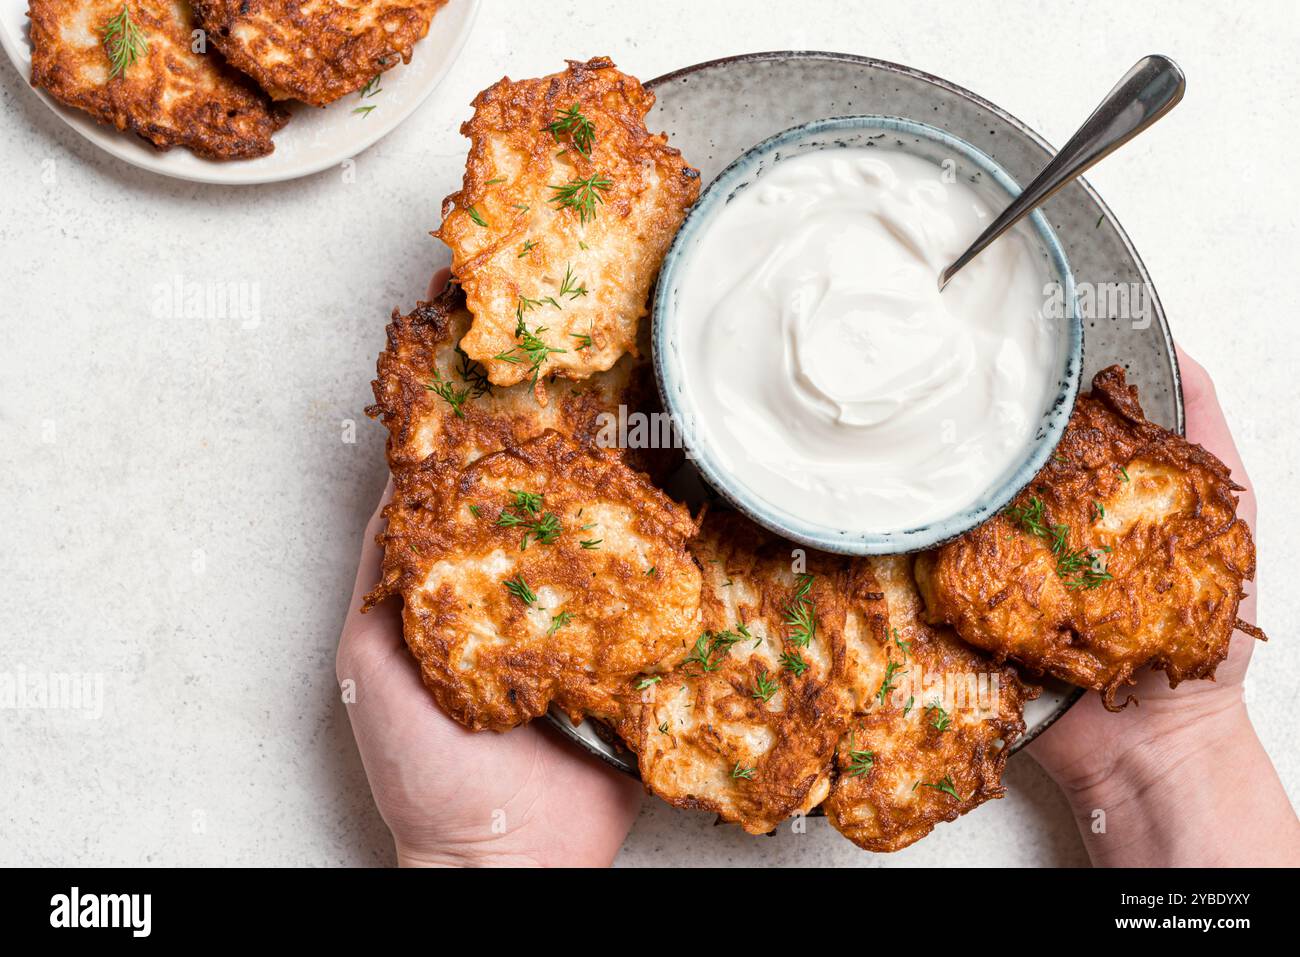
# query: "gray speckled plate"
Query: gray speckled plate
{"points": [[715, 111]]}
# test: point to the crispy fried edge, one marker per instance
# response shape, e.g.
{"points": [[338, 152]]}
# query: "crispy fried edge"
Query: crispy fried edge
{"points": [[407, 554], [220, 17], [561, 90], [48, 73], [1137, 438], [988, 763]]}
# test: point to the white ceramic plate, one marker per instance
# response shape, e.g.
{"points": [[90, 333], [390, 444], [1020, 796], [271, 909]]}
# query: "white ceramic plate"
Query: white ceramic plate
{"points": [[315, 138]]}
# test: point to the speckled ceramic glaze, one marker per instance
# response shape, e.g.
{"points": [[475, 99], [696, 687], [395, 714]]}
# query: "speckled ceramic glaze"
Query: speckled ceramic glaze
{"points": [[715, 111], [884, 134]]}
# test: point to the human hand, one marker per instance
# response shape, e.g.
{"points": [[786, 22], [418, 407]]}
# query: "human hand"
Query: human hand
{"points": [[1171, 746], [455, 797]]}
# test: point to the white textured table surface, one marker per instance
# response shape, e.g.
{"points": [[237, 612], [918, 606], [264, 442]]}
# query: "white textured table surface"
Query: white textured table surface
{"points": [[181, 509]]}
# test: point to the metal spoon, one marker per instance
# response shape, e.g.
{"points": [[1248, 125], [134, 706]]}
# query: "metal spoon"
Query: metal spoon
{"points": [[1147, 92]]}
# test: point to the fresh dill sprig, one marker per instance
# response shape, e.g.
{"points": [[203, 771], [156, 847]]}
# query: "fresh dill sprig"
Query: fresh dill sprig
{"points": [[860, 761], [739, 772], [519, 588], [710, 648], [558, 621], [124, 42], [371, 88], [582, 195], [764, 688], [907, 708], [584, 340], [581, 130], [591, 543], [530, 502], [801, 619], [793, 662], [571, 287], [444, 389], [472, 374], [939, 719], [1077, 568], [904, 646], [647, 682], [538, 527], [475, 215], [887, 685], [527, 247], [531, 346], [946, 786]]}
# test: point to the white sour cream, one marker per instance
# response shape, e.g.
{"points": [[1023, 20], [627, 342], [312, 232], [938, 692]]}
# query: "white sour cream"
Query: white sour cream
{"points": [[826, 370]]}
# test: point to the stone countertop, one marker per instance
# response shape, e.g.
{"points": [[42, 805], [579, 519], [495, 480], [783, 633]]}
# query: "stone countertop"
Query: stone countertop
{"points": [[183, 496]]}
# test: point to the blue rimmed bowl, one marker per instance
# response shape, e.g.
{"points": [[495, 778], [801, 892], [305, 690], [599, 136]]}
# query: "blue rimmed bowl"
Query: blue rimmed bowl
{"points": [[670, 321]]}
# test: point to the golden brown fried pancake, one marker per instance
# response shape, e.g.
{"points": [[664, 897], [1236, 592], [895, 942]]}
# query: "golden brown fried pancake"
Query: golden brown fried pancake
{"points": [[436, 401], [170, 95], [704, 734], [931, 717], [1126, 550], [505, 607], [319, 50], [576, 277]]}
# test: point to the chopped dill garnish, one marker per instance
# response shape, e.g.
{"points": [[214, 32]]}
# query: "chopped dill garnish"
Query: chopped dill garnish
{"points": [[710, 648], [1079, 568], [530, 502], [801, 618], [544, 528], [558, 621], [580, 129], [860, 762], [1124, 472], [663, 727], [907, 708], [647, 682], [739, 772], [527, 247], [651, 571], [365, 110], [571, 287], [582, 195], [764, 688], [474, 510], [887, 685], [904, 646], [946, 786], [124, 42], [494, 180], [793, 662], [591, 543], [444, 390], [519, 588], [472, 374], [939, 719], [531, 346], [475, 215]]}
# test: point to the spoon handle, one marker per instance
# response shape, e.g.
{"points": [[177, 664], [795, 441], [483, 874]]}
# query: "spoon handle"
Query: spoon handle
{"points": [[1147, 92]]}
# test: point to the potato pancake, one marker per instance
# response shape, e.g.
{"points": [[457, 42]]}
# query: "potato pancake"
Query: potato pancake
{"points": [[436, 401], [136, 70], [546, 572], [566, 210], [1125, 551], [932, 717], [745, 724], [319, 50]]}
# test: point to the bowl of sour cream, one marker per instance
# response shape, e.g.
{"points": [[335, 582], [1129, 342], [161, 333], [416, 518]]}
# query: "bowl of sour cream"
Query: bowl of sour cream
{"points": [[817, 377]]}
